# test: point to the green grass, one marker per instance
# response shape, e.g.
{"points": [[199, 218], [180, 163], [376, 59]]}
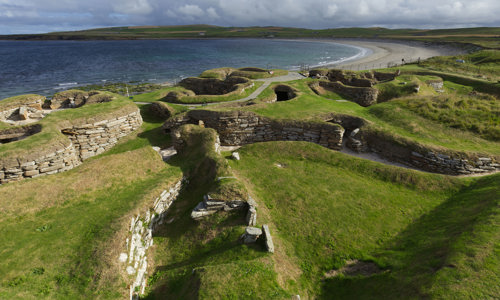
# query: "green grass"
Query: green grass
{"points": [[58, 240], [449, 253], [404, 86], [482, 36], [482, 64], [155, 95], [222, 73], [476, 113], [327, 207]]}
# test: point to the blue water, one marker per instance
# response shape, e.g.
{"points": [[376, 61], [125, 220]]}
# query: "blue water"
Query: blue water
{"points": [[46, 67]]}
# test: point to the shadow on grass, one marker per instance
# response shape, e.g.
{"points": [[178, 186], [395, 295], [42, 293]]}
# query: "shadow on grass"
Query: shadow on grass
{"points": [[153, 133], [187, 285], [423, 249]]}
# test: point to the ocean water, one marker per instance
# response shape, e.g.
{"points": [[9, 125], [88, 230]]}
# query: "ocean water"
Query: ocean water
{"points": [[46, 67]]}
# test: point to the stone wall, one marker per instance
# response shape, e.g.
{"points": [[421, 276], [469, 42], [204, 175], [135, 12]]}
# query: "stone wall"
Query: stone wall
{"points": [[437, 85], [351, 78], [385, 76], [427, 159], [93, 139], [142, 228], [77, 98], [61, 160], [84, 141], [213, 86], [240, 128], [364, 96]]}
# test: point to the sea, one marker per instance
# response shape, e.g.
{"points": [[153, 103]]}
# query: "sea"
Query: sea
{"points": [[47, 67]]}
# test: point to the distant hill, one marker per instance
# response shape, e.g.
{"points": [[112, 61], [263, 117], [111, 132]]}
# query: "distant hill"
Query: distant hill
{"points": [[483, 36]]}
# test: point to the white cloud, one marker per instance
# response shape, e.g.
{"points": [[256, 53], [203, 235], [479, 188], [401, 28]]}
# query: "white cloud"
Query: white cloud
{"points": [[331, 10], [21, 15], [191, 10], [212, 13], [133, 7], [169, 13]]}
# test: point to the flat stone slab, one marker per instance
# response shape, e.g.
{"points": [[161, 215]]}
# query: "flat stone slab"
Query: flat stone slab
{"points": [[251, 235], [268, 239]]}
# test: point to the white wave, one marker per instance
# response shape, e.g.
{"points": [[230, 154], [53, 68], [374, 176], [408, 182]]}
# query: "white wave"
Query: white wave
{"points": [[67, 83]]}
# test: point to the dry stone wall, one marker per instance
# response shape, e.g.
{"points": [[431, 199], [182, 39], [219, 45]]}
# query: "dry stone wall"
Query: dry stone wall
{"points": [[85, 141], [364, 96], [142, 227], [239, 128], [93, 139], [427, 159], [61, 160]]}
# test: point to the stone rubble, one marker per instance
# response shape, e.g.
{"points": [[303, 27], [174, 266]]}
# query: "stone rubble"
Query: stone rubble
{"points": [[165, 154], [210, 206]]}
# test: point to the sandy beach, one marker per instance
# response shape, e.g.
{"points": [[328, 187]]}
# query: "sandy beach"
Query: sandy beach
{"points": [[388, 53]]}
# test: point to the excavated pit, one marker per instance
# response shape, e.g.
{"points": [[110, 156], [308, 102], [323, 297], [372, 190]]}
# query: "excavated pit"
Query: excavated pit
{"points": [[19, 133], [212, 86]]}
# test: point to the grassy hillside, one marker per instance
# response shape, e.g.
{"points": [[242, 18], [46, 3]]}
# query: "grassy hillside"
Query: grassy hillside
{"points": [[62, 235], [483, 36], [408, 223]]}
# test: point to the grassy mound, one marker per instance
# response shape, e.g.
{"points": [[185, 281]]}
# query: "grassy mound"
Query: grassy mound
{"points": [[483, 64], [477, 113], [404, 85], [328, 208], [249, 72]]}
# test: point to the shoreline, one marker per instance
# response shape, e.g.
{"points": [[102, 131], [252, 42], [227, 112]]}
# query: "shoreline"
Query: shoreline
{"points": [[372, 54], [384, 53]]}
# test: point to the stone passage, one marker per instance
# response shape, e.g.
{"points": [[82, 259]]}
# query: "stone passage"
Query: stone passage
{"points": [[237, 128], [284, 92], [93, 139]]}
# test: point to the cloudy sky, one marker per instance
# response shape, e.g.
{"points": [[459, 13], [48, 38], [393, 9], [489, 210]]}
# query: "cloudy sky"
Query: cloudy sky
{"points": [[37, 16]]}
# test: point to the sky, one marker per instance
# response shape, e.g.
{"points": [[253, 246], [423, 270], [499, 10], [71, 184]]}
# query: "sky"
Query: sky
{"points": [[40, 16]]}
